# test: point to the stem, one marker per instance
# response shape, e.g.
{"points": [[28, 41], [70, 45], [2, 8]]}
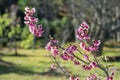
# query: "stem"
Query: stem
{"points": [[106, 65], [80, 59], [100, 67], [66, 74], [79, 51], [76, 56]]}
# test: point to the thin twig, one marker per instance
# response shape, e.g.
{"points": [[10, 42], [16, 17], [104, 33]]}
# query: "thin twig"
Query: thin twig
{"points": [[100, 67], [80, 59], [79, 51], [66, 74], [76, 56]]}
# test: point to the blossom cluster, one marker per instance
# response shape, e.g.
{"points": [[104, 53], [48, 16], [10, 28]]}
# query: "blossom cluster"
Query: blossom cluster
{"points": [[90, 66], [82, 34], [67, 54], [32, 22], [82, 31], [71, 49], [93, 47], [52, 46]]}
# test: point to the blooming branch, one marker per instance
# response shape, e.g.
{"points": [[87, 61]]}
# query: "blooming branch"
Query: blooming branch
{"points": [[90, 48], [31, 22]]}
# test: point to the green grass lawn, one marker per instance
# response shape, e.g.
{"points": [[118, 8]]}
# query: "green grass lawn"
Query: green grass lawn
{"points": [[31, 64]]}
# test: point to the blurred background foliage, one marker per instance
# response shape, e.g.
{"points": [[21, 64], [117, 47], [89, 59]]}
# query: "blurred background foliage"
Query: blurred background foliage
{"points": [[60, 19]]}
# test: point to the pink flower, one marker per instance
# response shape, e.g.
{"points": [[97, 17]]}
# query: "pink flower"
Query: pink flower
{"points": [[76, 62], [65, 56], [71, 49], [71, 78], [85, 67], [82, 45], [85, 25], [96, 42], [87, 49], [32, 22], [112, 74], [53, 66], [27, 9], [80, 37], [77, 78], [39, 31], [93, 65], [82, 32], [33, 19], [86, 37], [95, 45], [109, 78], [86, 56], [93, 48], [90, 66], [54, 42], [54, 51], [71, 58], [52, 46], [48, 47]]}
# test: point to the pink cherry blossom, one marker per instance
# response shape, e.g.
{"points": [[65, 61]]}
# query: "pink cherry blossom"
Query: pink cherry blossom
{"points": [[48, 47], [82, 32], [85, 25], [31, 22], [93, 65], [96, 42], [71, 49], [65, 56], [109, 78], [77, 78], [85, 67], [83, 46], [54, 51], [95, 45], [76, 62], [52, 46], [53, 66], [86, 56]]}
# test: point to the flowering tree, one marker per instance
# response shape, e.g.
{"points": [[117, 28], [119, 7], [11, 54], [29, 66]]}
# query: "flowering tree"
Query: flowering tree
{"points": [[90, 48]]}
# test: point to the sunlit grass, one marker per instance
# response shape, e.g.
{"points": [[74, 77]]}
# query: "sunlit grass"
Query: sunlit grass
{"points": [[35, 61]]}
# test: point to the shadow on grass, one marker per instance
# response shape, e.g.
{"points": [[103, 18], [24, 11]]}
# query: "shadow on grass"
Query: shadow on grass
{"points": [[14, 55], [112, 46], [22, 55], [7, 67], [112, 59]]}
